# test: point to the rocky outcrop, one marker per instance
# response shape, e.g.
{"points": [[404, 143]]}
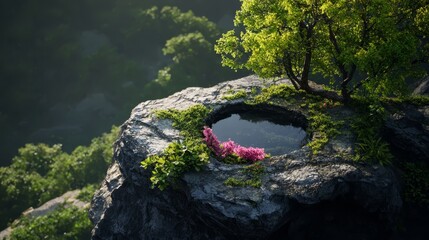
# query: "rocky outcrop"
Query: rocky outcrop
{"points": [[407, 130], [301, 197]]}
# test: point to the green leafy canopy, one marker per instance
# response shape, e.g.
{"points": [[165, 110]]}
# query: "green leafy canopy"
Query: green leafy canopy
{"points": [[376, 43], [41, 172]]}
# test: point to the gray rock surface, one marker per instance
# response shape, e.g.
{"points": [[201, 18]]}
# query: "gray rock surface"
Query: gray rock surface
{"points": [[407, 131], [294, 187], [423, 87]]}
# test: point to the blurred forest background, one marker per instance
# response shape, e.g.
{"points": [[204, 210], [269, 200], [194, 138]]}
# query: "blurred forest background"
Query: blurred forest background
{"points": [[69, 70]]}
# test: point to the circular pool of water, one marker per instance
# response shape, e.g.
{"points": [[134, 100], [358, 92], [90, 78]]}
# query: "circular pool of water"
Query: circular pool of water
{"points": [[271, 131]]}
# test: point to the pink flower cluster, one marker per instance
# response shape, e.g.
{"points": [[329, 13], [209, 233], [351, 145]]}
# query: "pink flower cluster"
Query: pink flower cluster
{"points": [[212, 141], [230, 147]]}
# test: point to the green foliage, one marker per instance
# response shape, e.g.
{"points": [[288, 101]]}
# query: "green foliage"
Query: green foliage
{"points": [[40, 172], [177, 21], [88, 192], [283, 91], [189, 45], [373, 149], [187, 51], [190, 122], [177, 158], [64, 223], [234, 159], [182, 156], [235, 95], [255, 169], [236, 182], [366, 127], [109, 48], [323, 127], [251, 176], [36, 158], [416, 178], [297, 38], [418, 100], [183, 47]]}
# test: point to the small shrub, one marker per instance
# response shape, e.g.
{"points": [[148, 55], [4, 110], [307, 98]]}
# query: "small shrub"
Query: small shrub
{"points": [[182, 156], [177, 158], [65, 223], [189, 121], [374, 149], [366, 127], [237, 95], [323, 128], [87, 192]]}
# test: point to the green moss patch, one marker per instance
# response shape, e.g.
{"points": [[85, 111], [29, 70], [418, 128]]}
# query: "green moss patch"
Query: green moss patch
{"points": [[182, 156], [235, 95], [250, 176]]}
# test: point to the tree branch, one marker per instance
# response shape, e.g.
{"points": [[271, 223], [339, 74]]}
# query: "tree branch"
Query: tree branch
{"points": [[358, 85], [334, 42], [287, 65]]}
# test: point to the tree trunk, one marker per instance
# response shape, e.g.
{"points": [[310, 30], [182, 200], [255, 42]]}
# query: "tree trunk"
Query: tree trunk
{"points": [[345, 94]]}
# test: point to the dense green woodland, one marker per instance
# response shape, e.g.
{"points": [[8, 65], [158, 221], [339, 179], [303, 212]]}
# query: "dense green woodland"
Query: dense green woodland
{"points": [[69, 70], [41, 172]]}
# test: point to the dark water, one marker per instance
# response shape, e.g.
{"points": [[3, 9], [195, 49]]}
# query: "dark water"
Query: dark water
{"points": [[256, 130]]}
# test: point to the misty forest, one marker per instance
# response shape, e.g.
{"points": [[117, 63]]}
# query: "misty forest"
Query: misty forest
{"points": [[71, 73]]}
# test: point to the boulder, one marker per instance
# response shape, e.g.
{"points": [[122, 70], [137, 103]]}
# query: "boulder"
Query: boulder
{"points": [[302, 196], [407, 131]]}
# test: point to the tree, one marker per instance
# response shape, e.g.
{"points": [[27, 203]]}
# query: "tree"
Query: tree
{"points": [[41, 172], [370, 43], [189, 58]]}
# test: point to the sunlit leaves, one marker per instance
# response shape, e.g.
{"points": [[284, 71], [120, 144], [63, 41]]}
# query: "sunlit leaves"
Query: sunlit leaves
{"points": [[178, 157], [65, 223], [181, 156], [229, 46], [378, 39], [185, 46], [422, 19], [178, 21], [40, 172]]}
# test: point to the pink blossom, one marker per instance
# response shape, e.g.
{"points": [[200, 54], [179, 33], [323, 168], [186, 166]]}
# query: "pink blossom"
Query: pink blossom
{"points": [[250, 153], [228, 148], [212, 141]]}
